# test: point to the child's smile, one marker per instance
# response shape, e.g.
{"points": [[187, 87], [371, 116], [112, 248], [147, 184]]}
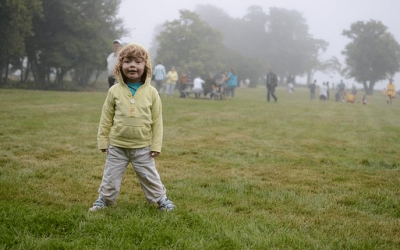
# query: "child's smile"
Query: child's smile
{"points": [[133, 69]]}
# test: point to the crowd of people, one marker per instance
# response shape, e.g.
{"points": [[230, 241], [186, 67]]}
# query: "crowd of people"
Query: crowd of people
{"points": [[347, 95], [210, 86], [221, 85]]}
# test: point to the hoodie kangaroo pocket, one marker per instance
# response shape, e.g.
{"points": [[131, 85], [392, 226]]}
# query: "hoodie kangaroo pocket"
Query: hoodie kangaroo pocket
{"points": [[133, 132]]}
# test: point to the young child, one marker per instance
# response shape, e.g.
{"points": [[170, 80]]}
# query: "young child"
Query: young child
{"points": [[131, 130]]}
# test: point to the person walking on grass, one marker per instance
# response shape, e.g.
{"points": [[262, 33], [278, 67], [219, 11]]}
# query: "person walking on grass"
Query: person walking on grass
{"points": [[271, 83], [131, 130]]}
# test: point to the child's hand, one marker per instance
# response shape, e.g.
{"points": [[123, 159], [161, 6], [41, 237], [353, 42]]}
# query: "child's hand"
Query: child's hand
{"points": [[154, 154]]}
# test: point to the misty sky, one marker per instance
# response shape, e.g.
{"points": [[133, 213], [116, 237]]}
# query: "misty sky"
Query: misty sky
{"points": [[326, 18]]}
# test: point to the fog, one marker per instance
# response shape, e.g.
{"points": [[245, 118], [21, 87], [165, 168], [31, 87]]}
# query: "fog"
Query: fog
{"points": [[326, 19]]}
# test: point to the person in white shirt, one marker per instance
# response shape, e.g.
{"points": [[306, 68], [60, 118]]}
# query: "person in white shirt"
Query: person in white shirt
{"points": [[112, 60], [198, 86]]}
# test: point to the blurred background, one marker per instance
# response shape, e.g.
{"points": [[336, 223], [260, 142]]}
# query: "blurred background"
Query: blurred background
{"points": [[49, 44]]}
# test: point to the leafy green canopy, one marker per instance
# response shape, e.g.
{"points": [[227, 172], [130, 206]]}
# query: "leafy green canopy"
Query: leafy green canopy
{"points": [[15, 25], [279, 39], [190, 41], [372, 55], [70, 36]]}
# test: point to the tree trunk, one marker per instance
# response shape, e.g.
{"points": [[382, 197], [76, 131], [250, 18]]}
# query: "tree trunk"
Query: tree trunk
{"points": [[368, 88], [371, 88], [6, 74], [98, 73], [365, 87], [27, 70], [310, 76], [60, 74]]}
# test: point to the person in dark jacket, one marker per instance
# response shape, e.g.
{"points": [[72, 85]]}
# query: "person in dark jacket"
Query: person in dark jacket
{"points": [[271, 83]]}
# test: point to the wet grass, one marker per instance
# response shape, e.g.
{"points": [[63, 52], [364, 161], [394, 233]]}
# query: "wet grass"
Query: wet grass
{"points": [[244, 174]]}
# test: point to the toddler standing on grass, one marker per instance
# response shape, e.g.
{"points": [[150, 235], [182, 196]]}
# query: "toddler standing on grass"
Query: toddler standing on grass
{"points": [[131, 130]]}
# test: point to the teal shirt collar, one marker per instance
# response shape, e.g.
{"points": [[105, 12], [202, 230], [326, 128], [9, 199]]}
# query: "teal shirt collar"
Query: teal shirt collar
{"points": [[133, 87]]}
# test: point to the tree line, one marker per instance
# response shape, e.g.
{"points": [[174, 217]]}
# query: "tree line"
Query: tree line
{"points": [[209, 40], [48, 39]]}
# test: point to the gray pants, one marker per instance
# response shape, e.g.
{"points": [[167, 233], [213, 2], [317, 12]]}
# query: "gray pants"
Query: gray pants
{"points": [[144, 166]]}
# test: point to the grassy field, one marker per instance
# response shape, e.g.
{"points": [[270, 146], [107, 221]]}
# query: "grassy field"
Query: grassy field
{"points": [[243, 173]]}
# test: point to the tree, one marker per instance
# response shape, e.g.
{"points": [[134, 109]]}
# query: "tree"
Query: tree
{"points": [[331, 65], [73, 36], [15, 26], [243, 39], [372, 55], [190, 41], [290, 48]]}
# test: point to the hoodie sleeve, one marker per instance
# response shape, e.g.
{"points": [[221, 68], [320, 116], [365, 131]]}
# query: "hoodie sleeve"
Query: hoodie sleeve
{"points": [[106, 121], [157, 125]]}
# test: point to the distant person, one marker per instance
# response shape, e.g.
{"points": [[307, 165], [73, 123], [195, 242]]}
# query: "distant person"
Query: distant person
{"points": [[209, 85], [198, 86], [183, 85], [390, 92], [290, 83], [323, 92], [218, 77], [271, 83], [111, 61], [350, 98], [131, 130], [172, 78], [247, 82], [159, 75], [342, 90], [222, 83], [328, 92], [231, 83], [188, 72], [312, 86], [364, 100]]}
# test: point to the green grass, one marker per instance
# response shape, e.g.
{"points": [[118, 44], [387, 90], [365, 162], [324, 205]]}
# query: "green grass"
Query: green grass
{"points": [[243, 173]]}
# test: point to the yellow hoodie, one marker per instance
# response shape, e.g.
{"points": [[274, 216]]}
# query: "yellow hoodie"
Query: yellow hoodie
{"points": [[131, 122]]}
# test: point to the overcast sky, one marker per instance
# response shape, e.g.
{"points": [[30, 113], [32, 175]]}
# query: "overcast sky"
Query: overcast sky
{"points": [[326, 18]]}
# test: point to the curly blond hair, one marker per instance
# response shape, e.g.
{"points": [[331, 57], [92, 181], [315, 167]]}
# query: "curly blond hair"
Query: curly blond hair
{"points": [[134, 50]]}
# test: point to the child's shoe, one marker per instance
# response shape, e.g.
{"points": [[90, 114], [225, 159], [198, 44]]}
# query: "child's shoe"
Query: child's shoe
{"points": [[165, 205], [97, 205]]}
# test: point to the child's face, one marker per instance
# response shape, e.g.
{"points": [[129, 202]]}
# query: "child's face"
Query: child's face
{"points": [[133, 69]]}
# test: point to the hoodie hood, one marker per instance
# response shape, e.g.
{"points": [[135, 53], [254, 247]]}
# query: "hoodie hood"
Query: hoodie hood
{"points": [[134, 50]]}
